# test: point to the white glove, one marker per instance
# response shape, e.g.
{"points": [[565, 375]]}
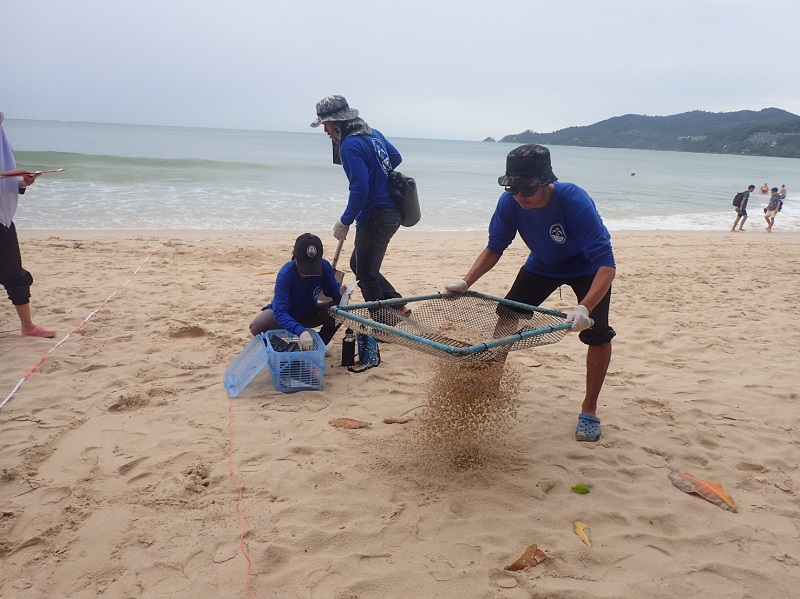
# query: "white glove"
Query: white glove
{"points": [[306, 341], [340, 231], [458, 287], [579, 317], [347, 291]]}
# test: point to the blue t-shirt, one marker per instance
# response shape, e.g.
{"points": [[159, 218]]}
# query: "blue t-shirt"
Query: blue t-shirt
{"points": [[567, 238], [369, 182], [295, 296]]}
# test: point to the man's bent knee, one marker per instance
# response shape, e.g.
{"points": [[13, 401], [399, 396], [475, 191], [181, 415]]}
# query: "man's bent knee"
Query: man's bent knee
{"points": [[595, 338]]}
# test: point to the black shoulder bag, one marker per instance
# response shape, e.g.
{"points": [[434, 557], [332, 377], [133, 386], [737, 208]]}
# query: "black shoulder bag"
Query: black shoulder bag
{"points": [[403, 190]]}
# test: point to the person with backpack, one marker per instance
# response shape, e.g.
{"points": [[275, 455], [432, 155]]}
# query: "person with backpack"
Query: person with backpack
{"points": [[367, 158], [740, 205]]}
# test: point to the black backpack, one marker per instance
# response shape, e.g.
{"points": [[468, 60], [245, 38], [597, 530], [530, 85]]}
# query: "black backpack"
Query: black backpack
{"points": [[737, 199]]}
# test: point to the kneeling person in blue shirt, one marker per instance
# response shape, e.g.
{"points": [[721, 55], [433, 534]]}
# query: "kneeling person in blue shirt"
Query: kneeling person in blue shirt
{"points": [[295, 306], [569, 245]]}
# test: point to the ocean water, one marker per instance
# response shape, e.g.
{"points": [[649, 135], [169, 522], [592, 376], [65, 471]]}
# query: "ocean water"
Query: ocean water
{"points": [[139, 177]]}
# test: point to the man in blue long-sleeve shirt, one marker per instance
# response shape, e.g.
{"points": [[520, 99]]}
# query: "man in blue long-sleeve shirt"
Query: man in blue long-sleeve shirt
{"points": [[569, 245]]}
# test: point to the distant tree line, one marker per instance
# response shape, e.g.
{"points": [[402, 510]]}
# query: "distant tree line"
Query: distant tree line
{"points": [[767, 132]]}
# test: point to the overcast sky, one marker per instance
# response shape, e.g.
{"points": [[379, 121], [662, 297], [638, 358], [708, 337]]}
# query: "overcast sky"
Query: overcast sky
{"points": [[452, 69]]}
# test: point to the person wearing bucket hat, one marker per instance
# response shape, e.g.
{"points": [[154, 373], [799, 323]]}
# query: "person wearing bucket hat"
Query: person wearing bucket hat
{"points": [[367, 158], [333, 108], [569, 245], [295, 306]]}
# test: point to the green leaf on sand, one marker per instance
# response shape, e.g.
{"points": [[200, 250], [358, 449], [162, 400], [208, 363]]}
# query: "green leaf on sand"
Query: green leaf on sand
{"points": [[580, 489]]}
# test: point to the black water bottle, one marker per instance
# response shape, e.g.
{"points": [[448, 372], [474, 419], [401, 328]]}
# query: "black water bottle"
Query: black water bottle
{"points": [[348, 348]]}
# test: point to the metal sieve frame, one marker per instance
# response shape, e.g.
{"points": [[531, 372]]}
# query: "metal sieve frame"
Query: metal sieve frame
{"points": [[387, 332]]}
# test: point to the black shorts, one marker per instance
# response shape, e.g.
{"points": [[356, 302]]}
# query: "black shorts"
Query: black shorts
{"points": [[532, 289]]}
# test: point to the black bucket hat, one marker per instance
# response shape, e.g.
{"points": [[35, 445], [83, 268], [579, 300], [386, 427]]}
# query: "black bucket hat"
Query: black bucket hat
{"points": [[528, 164], [308, 254], [333, 108]]}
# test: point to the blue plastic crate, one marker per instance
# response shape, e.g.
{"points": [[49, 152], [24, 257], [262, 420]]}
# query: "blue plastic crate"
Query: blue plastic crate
{"points": [[295, 370], [291, 371], [244, 367]]}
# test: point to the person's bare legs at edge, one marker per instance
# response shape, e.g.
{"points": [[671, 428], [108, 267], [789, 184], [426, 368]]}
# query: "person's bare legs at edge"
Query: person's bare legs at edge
{"points": [[25, 320]]}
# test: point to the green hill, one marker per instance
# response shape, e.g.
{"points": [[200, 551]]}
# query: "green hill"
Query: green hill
{"points": [[767, 132]]}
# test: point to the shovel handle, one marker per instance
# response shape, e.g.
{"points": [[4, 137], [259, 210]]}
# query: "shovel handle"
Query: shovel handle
{"points": [[338, 252]]}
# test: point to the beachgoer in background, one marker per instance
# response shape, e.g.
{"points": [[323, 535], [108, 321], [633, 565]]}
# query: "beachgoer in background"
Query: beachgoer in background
{"points": [[294, 305], [367, 157], [774, 206], [16, 280], [782, 192], [765, 188], [741, 209], [569, 245]]}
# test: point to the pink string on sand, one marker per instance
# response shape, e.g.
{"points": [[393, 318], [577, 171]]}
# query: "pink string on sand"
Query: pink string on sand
{"points": [[77, 328], [239, 502]]}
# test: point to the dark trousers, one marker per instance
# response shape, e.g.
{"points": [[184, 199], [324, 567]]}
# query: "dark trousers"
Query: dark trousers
{"points": [[265, 321], [13, 277], [373, 235]]}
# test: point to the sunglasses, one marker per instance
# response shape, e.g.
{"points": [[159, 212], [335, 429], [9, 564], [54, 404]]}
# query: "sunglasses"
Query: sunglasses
{"points": [[526, 190]]}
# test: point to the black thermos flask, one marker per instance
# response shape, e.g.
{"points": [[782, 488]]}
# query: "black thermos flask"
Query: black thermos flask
{"points": [[348, 348]]}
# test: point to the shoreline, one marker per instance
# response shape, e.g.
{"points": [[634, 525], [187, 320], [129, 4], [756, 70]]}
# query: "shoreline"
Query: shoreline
{"points": [[108, 232]]}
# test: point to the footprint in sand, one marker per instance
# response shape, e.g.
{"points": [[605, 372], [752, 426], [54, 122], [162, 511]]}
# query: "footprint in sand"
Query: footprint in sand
{"points": [[197, 478], [126, 404], [188, 332]]}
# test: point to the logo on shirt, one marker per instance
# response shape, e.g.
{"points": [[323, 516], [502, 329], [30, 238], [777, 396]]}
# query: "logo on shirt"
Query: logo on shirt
{"points": [[311, 251], [557, 233], [383, 156]]}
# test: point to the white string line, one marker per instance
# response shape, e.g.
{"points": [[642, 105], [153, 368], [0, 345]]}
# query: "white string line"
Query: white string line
{"points": [[68, 335]]}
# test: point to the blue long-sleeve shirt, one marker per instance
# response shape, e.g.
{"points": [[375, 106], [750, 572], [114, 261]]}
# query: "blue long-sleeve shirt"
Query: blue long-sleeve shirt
{"points": [[295, 296], [368, 177], [567, 238]]}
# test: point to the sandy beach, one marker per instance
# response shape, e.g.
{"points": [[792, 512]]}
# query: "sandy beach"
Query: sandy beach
{"points": [[126, 471]]}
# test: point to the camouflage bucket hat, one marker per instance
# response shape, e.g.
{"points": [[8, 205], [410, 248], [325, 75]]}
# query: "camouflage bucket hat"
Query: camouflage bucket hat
{"points": [[528, 164], [333, 108]]}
